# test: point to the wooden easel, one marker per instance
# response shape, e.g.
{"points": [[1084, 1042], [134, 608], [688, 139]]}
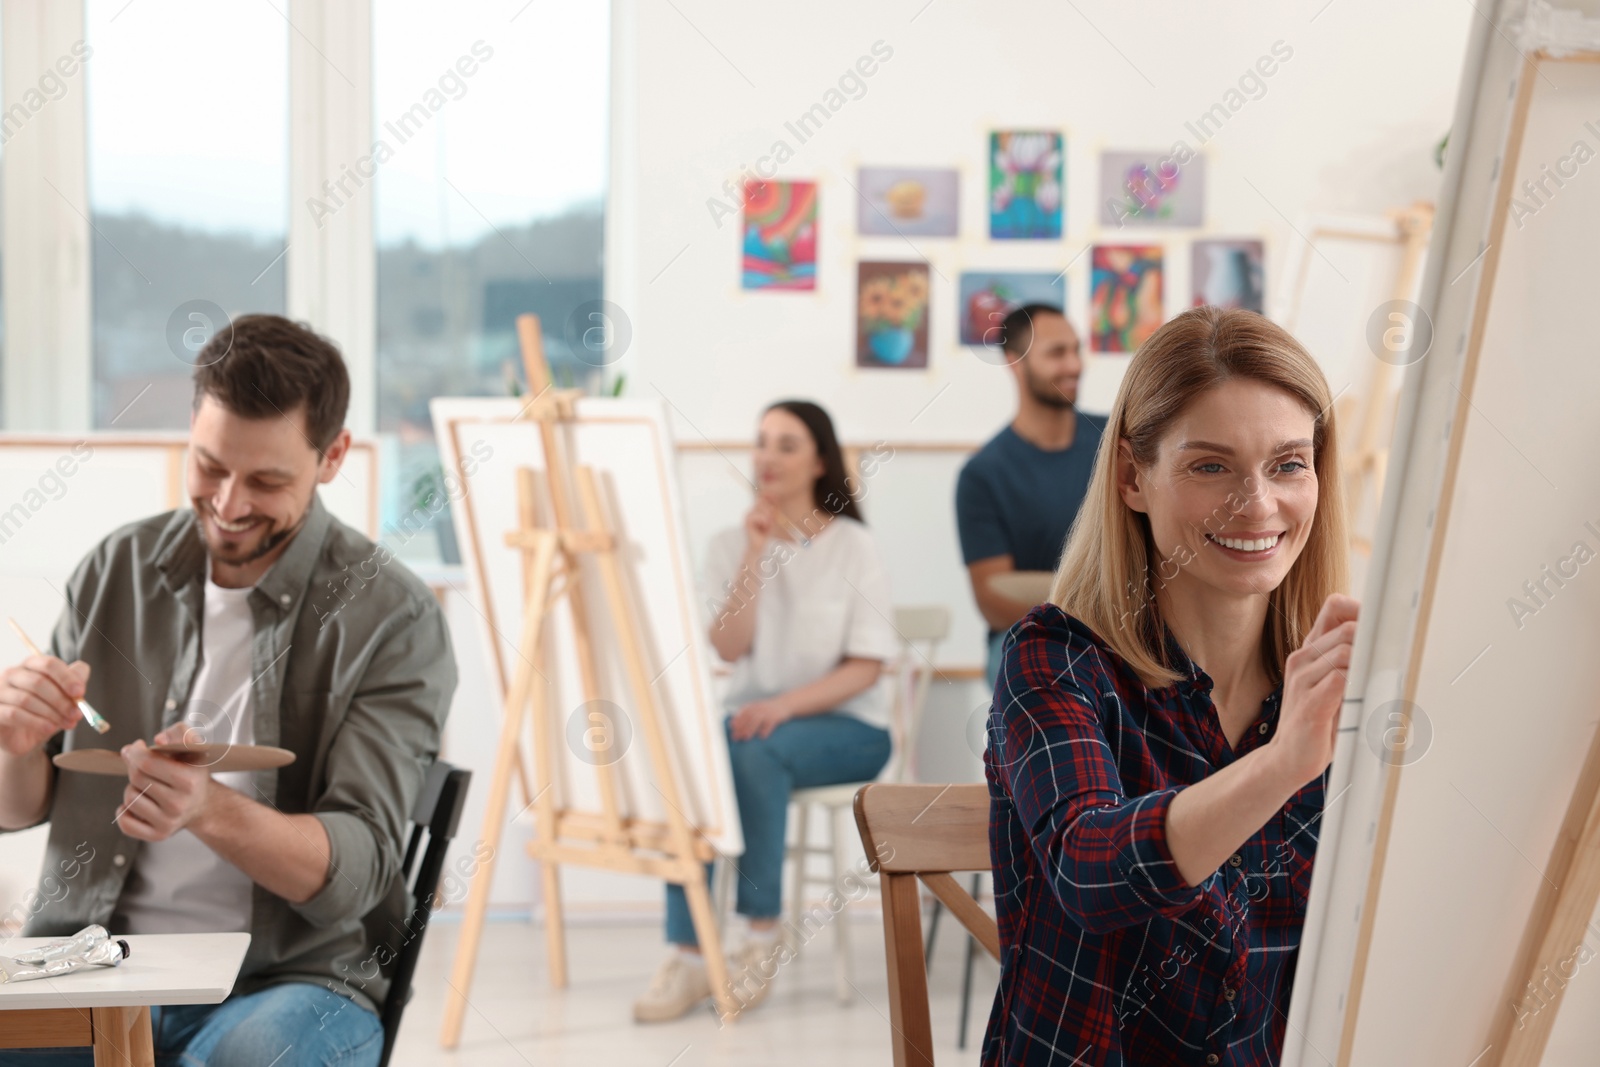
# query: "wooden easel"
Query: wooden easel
{"points": [[1365, 462], [670, 850]]}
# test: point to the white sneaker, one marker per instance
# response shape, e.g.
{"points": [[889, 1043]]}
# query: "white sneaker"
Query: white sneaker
{"points": [[753, 968], [677, 988]]}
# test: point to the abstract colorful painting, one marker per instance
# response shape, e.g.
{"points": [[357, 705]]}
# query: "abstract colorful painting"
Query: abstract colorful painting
{"points": [[780, 235], [1228, 274], [906, 202], [1025, 184], [1125, 296], [892, 315], [1152, 189], [987, 298]]}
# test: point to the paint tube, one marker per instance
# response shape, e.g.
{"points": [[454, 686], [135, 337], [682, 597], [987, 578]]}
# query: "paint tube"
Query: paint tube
{"points": [[105, 953], [76, 945]]}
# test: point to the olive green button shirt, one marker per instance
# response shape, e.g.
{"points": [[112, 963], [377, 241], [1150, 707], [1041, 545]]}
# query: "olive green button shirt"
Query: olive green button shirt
{"points": [[352, 672]]}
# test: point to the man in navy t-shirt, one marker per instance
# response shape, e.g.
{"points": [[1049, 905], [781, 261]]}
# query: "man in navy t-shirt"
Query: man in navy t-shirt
{"points": [[1018, 494]]}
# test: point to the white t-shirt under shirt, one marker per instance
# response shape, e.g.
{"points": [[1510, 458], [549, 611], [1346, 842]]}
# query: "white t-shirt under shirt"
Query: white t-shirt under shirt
{"points": [[180, 886], [818, 603]]}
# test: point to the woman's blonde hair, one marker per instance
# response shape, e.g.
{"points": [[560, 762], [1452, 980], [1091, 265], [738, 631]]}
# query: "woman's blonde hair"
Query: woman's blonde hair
{"points": [[1107, 577]]}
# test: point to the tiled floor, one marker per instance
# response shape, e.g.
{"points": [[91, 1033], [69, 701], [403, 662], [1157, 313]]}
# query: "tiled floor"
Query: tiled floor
{"points": [[516, 1019]]}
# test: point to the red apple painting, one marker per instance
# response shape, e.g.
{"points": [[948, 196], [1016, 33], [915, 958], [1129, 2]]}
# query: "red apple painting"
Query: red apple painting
{"points": [[986, 298]]}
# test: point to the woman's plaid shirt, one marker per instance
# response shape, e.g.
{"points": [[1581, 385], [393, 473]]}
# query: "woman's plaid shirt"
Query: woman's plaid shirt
{"points": [[1108, 955]]}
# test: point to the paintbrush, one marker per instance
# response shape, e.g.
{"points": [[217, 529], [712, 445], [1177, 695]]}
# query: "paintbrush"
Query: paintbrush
{"points": [[90, 716]]}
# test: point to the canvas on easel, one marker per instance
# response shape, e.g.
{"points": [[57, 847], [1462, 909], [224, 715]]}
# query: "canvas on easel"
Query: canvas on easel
{"points": [[1351, 294], [572, 530], [1451, 915]]}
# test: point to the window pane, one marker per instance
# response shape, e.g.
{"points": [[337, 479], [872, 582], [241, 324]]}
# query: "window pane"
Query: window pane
{"points": [[493, 118], [188, 113]]}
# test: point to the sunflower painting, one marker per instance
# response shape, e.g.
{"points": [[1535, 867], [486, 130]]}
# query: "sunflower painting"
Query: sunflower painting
{"points": [[892, 315]]}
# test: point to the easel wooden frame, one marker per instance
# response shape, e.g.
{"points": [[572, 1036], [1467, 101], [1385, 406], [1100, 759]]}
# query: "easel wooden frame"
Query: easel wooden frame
{"points": [[608, 840], [1366, 454], [1570, 888]]}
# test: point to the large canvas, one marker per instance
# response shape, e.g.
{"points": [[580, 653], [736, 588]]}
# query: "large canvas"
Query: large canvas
{"points": [[1228, 274], [892, 315], [987, 297], [1462, 787], [1125, 296], [1151, 189], [1026, 186], [907, 201], [629, 446], [780, 235]]}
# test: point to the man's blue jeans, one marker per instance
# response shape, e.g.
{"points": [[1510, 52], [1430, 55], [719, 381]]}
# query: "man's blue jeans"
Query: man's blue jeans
{"points": [[296, 1024], [802, 753]]}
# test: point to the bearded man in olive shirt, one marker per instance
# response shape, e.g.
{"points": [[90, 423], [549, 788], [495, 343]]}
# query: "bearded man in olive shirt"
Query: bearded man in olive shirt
{"points": [[254, 617]]}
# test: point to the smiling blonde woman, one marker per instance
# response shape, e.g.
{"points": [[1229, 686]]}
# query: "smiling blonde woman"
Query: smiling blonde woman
{"points": [[1162, 727]]}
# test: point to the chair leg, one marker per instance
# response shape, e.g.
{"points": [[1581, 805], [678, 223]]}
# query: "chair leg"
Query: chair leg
{"points": [[722, 876], [797, 882], [842, 985], [966, 975], [933, 932]]}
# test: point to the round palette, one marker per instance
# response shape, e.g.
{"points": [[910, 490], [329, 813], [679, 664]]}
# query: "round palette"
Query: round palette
{"points": [[218, 758]]}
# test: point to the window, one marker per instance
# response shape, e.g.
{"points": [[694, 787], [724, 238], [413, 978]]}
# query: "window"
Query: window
{"points": [[188, 112], [492, 119]]}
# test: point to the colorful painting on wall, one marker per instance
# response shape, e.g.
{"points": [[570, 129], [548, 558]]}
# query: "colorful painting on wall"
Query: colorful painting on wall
{"points": [[1125, 296], [780, 235], [987, 298], [1151, 189], [907, 202], [1228, 274], [1025, 184], [892, 315]]}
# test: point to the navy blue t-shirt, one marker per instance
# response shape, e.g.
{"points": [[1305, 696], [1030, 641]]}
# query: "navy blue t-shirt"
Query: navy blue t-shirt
{"points": [[1014, 498]]}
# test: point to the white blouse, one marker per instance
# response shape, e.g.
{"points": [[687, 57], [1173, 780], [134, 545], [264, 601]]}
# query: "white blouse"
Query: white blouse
{"points": [[818, 602]]}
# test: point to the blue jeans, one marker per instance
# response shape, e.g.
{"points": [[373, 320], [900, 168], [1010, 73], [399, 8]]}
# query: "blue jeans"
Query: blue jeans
{"points": [[296, 1024], [802, 753]]}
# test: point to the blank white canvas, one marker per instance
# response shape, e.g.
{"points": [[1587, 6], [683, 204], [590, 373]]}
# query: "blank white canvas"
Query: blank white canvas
{"points": [[628, 444]]}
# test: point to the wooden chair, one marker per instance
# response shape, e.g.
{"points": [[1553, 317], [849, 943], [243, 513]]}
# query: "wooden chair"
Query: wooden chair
{"points": [[920, 630], [926, 833]]}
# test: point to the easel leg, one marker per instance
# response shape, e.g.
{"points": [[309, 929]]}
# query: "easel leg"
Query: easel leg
{"points": [[705, 931], [494, 816], [555, 928]]}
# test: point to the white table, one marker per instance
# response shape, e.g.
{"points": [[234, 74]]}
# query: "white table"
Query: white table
{"points": [[108, 1008]]}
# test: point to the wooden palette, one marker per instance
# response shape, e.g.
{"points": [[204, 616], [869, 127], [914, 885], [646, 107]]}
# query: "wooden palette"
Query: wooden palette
{"points": [[217, 758]]}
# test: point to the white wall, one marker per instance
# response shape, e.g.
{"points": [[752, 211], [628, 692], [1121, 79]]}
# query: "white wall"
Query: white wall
{"points": [[1347, 124]]}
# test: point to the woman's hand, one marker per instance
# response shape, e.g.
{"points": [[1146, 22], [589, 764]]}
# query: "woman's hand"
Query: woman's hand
{"points": [[1313, 691], [760, 718], [759, 523]]}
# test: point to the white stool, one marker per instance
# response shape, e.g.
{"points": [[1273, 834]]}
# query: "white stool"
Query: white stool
{"points": [[920, 629]]}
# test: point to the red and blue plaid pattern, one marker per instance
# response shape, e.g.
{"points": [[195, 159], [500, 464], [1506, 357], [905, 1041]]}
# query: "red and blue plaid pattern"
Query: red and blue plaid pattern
{"points": [[1108, 956]]}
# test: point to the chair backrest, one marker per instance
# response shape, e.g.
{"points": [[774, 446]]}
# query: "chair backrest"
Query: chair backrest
{"points": [[921, 629], [437, 814], [922, 833]]}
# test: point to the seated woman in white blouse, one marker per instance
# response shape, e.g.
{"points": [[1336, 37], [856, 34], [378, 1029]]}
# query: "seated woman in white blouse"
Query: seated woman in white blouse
{"points": [[803, 612]]}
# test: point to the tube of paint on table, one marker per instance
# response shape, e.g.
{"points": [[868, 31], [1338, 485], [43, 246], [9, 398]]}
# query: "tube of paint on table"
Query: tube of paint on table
{"points": [[76, 945], [105, 954]]}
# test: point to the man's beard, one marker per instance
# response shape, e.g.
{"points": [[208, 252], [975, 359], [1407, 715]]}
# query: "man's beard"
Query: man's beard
{"points": [[1048, 394], [268, 543]]}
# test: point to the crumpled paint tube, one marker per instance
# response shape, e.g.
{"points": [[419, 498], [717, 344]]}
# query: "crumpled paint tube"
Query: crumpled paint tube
{"points": [[89, 947], [77, 944]]}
